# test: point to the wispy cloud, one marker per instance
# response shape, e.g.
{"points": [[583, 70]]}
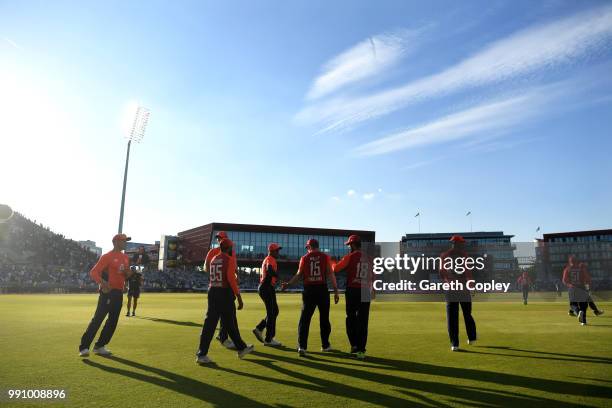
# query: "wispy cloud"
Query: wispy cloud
{"points": [[481, 121], [365, 60], [368, 196], [422, 163], [12, 43], [479, 127], [539, 47], [350, 193], [485, 117]]}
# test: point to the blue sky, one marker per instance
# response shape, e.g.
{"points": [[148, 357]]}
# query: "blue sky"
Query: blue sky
{"points": [[330, 114]]}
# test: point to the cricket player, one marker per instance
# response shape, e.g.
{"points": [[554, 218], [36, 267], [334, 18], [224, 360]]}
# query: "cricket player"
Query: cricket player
{"points": [[222, 290], [267, 293], [222, 337], [460, 297], [358, 295], [314, 269], [110, 273], [578, 281], [133, 283], [524, 281]]}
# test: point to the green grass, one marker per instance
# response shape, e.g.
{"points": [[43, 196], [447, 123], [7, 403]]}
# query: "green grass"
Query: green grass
{"points": [[526, 356]]}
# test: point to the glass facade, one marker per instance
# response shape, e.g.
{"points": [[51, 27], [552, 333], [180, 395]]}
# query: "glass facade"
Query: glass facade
{"points": [[594, 251], [497, 247], [254, 245]]}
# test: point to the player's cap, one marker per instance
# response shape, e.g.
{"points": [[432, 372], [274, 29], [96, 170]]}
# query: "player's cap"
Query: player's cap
{"points": [[312, 243], [121, 237], [221, 234], [457, 238], [353, 238], [226, 243], [274, 247]]}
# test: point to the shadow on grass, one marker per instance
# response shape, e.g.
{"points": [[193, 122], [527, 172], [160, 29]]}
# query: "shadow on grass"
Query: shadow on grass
{"points": [[553, 356], [321, 384], [513, 380], [593, 379], [168, 321], [179, 383], [475, 396]]}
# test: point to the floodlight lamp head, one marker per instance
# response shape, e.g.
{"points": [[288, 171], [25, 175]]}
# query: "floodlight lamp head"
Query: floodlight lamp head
{"points": [[139, 126]]}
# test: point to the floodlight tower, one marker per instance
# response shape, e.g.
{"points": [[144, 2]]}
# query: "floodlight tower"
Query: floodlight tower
{"points": [[137, 133]]}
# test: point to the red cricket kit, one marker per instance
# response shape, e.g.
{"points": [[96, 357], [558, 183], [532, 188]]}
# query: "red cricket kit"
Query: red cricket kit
{"points": [[315, 266], [223, 273], [358, 268]]}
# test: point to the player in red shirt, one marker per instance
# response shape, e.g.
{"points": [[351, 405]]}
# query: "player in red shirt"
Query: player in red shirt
{"points": [[574, 307], [267, 293], [315, 267], [524, 280], [222, 337], [358, 295], [578, 281], [222, 290], [110, 273], [457, 297]]}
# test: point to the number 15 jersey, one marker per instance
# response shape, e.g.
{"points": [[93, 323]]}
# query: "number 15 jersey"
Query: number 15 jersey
{"points": [[314, 267]]}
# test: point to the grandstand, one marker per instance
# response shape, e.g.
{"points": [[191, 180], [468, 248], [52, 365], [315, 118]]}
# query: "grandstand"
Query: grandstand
{"points": [[34, 258]]}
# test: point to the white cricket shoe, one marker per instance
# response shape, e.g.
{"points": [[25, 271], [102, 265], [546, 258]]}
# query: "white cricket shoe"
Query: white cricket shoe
{"points": [[203, 360], [102, 351], [454, 348], [273, 343], [259, 334], [245, 351], [326, 349], [84, 353], [228, 344], [472, 342], [301, 352]]}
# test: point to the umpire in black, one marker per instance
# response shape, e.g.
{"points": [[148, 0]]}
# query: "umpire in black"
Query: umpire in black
{"points": [[134, 283]]}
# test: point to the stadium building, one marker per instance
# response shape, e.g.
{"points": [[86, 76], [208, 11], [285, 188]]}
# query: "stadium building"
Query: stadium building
{"points": [[500, 262], [594, 248], [251, 242], [91, 246]]}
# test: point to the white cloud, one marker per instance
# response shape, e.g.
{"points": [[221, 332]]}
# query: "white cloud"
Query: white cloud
{"points": [[539, 47], [335, 198], [416, 165], [350, 193], [368, 196], [12, 43], [482, 118], [367, 59]]}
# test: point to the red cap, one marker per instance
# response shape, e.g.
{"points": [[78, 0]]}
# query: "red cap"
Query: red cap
{"points": [[274, 247], [226, 243], [457, 238], [221, 234], [312, 242], [121, 237], [353, 238]]}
